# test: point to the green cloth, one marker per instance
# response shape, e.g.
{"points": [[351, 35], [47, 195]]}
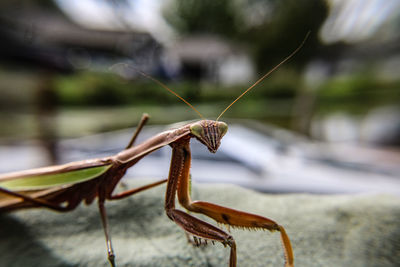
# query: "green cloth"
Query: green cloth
{"points": [[349, 230]]}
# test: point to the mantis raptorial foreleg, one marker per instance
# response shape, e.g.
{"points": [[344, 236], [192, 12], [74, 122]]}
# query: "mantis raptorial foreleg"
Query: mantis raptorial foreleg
{"points": [[242, 219], [179, 182], [189, 223]]}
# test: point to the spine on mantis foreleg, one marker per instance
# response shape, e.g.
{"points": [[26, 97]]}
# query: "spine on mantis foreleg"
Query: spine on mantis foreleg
{"points": [[190, 185]]}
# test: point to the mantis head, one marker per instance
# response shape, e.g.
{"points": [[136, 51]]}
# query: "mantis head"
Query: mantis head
{"points": [[209, 133]]}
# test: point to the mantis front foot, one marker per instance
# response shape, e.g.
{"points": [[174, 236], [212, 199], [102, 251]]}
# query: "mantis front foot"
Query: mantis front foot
{"points": [[203, 230]]}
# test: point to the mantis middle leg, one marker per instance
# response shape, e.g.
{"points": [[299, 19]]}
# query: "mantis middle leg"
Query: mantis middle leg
{"points": [[143, 121], [104, 220]]}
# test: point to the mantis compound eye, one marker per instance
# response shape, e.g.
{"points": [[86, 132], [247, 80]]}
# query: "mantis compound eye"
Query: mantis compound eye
{"points": [[222, 128], [197, 130]]}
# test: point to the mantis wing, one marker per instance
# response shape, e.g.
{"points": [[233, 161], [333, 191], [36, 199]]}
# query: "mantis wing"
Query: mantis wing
{"points": [[43, 181]]}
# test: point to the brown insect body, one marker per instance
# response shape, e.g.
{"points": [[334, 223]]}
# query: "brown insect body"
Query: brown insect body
{"points": [[68, 197], [102, 186], [109, 171]]}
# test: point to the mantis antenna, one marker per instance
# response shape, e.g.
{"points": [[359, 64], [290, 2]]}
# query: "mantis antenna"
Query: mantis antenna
{"points": [[266, 75], [161, 84], [240, 96]]}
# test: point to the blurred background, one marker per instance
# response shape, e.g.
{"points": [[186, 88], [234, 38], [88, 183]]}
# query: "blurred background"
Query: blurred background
{"points": [[328, 121]]}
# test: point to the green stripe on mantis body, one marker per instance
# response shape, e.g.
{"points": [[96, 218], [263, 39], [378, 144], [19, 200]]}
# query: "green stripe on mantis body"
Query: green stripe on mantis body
{"points": [[37, 182]]}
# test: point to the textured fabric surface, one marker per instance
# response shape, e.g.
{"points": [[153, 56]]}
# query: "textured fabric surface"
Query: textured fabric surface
{"points": [[361, 230]]}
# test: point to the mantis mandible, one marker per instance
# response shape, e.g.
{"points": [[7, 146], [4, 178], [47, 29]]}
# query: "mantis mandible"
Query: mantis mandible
{"points": [[63, 187]]}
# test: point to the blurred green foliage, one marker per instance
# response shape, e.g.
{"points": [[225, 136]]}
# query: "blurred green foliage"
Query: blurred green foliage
{"points": [[207, 16], [287, 26], [271, 100], [357, 93], [270, 29], [103, 101], [354, 93], [100, 89]]}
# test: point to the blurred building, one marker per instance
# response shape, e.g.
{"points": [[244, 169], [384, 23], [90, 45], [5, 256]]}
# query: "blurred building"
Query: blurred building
{"points": [[211, 58], [49, 39]]}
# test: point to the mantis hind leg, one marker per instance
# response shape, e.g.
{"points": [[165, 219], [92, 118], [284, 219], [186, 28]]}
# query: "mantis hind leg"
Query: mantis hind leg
{"points": [[143, 121], [38, 201]]}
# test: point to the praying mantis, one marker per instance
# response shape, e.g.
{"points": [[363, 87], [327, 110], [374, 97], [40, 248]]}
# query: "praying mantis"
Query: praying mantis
{"points": [[63, 187]]}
